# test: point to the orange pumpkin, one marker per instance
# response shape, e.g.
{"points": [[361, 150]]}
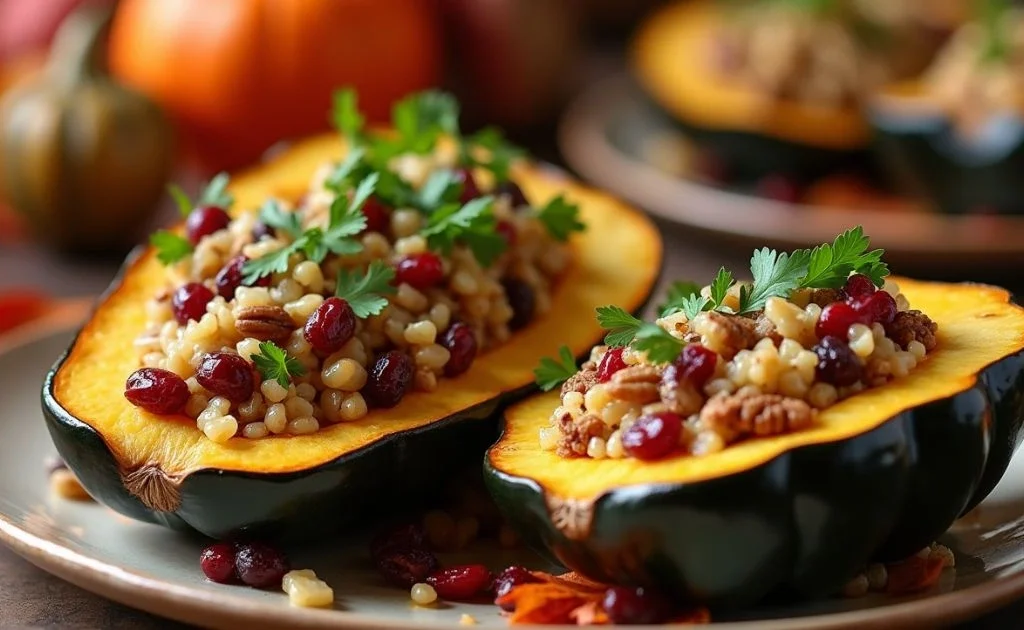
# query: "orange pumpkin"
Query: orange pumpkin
{"points": [[239, 75]]}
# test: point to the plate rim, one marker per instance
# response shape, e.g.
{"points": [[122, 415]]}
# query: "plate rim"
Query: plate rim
{"points": [[208, 607]]}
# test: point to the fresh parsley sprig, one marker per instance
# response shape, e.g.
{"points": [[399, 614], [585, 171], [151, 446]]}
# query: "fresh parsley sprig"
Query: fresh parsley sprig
{"points": [[170, 247], [472, 224], [365, 292], [626, 330], [553, 372], [214, 193], [273, 363], [561, 218], [273, 215]]}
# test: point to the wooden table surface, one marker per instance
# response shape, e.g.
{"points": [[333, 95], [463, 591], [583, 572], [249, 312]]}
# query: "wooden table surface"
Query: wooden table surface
{"points": [[31, 598]]}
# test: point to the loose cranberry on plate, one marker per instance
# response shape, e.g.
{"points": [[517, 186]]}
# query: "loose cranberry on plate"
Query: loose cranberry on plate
{"points": [[330, 326], [229, 278], [405, 567], [460, 342], [218, 563], [838, 364], [261, 566], [389, 380], [460, 583], [625, 605], [156, 390], [226, 374], [610, 363], [508, 579], [420, 271], [204, 221], [398, 537], [652, 436], [188, 302]]}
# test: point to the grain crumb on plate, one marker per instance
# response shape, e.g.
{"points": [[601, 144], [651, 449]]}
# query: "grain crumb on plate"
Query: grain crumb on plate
{"points": [[306, 590]]}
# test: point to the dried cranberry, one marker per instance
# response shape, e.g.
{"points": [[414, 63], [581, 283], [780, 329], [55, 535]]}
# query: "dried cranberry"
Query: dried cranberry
{"points": [[330, 326], [610, 363], [653, 436], [625, 605], [837, 363], [261, 231], [378, 215], [779, 188], [261, 566], [405, 567], [515, 195], [460, 583], [878, 307], [229, 278], [507, 231], [156, 390], [835, 320], [470, 189], [226, 374], [858, 286], [420, 271], [697, 363], [205, 220], [508, 579], [189, 302], [398, 537], [389, 379], [218, 563], [523, 301], [460, 342]]}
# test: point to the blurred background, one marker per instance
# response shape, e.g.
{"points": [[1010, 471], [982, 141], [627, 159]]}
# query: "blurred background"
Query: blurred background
{"points": [[759, 121]]}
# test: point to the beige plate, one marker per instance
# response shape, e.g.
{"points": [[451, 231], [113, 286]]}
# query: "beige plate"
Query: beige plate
{"points": [[603, 136], [155, 569]]}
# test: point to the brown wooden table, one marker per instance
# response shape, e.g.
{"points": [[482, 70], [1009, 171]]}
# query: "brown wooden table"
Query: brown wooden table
{"points": [[30, 597]]}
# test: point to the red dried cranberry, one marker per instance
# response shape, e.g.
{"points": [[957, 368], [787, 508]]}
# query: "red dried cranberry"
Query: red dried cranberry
{"points": [[779, 188], [653, 436], [398, 537], [156, 390], [506, 231], [878, 307], [837, 363], [261, 566], [405, 567], [460, 583], [261, 231], [515, 195], [610, 363], [508, 579], [218, 563], [205, 220], [226, 374], [420, 271], [858, 286], [470, 189], [835, 320], [229, 278], [330, 326], [378, 215], [389, 379], [460, 342], [697, 363], [523, 301], [189, 302], [625, 605]]}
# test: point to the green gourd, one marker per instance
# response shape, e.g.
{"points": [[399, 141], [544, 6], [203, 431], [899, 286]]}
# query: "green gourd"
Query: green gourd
{"points": [[83, 158]]}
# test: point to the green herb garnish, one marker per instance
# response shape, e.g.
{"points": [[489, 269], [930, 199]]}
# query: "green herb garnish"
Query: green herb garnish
{"points": [[365, 292], [274, 364], [215, 193], [473, 225], [170, 247], [273, 215], [561, 218], [551, 373], [626, 330], [181, 199]]}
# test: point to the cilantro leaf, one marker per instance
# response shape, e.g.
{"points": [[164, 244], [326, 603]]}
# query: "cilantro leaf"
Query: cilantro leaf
{"points": [[170, 247], [274, 262], [676, 293], [216, 192], [659, 345], [441, 187], [685, 297], [551, 373], [421, 119], [561, 218], [274, 364], [775, 275], [340, 178], [621, 326], [365, 292], [181, 199], [345, 114], [473, 225], [720, 287], [273, 215], [830, 265]]}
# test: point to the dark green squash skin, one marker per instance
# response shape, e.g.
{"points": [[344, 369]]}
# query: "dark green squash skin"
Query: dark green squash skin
{"points": [[802, 523], [925, 156]]}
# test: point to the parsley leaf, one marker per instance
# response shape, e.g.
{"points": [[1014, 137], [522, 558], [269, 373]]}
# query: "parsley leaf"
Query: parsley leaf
{"points": [[443, 186], [499, 151], [421, 119], [551, 373], [720, 287], [659, 345], [273, 215], [473, 225], [561, 218], [274, 363], [346, 116], [693, 305], [830, 265], [677, 292], [621, 326], [274, 262], [365, 292], [170, 247], [181, 199], [685, 297], [216, 192], [775, 275]]}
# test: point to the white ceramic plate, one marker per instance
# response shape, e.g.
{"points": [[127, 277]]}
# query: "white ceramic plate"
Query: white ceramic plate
{"points": [[157, 570]]}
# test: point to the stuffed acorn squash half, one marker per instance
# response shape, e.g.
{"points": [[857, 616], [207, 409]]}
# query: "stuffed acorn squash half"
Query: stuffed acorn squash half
{"points": [[328, 333], [769, 438]]}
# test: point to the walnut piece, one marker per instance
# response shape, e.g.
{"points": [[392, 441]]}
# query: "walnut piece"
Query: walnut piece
{"points": [[734, 416], [266, 323], [580, 382], [913, 326], [576, 434], [726, 334], [681, 398], [824, 297]]}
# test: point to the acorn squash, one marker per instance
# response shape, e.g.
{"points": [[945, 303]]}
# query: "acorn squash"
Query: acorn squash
{"points": [[749, 132], [879, 476], [928, 156], [163, 470]]}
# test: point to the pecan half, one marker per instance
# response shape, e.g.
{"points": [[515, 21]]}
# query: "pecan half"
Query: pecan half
{"points": [[734, 416], [266, 323], [637, 384]]}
